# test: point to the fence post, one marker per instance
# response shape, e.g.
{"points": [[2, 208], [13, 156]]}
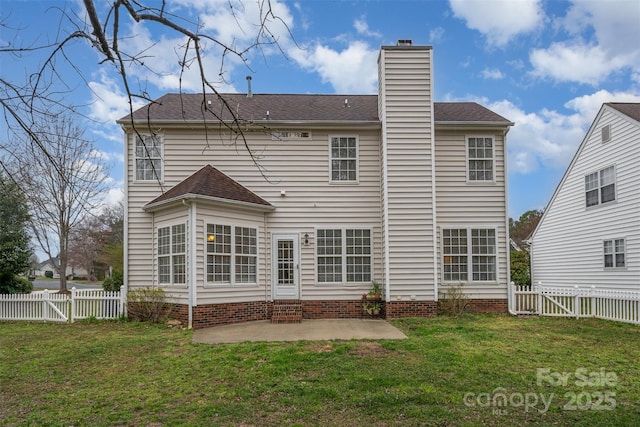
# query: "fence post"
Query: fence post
{"points": [[592, 291], [45, 305], [538, 290], [576, 301], [73, 305]]}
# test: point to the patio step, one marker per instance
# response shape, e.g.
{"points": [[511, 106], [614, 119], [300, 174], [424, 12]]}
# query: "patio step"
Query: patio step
{"points": [[287, 311]]}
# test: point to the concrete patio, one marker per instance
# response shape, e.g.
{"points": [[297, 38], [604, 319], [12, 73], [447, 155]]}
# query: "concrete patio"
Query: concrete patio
{"points": [[307, 330]]}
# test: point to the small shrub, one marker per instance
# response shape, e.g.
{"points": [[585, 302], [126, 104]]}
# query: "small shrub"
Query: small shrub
{"points": [[453, 302], [113, 283], [48, 274], [15, 285], [148, 305], [520, 268]]}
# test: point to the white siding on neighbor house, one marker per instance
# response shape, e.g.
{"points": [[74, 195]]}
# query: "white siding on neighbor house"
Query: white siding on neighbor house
{"points": [[406, 115], [311, 201], [462, 204], [568, 243]]}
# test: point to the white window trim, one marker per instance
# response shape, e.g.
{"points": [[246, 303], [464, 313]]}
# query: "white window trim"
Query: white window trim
{"points": [[614, 253], [467, 159], [171, 254], [469, 254], [136, 158], [339, 182], [615, 188], [232, 272], [344, 255]]}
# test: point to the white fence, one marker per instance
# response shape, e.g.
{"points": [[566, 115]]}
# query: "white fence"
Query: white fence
{"points": [[54, 307], [549, 300]]}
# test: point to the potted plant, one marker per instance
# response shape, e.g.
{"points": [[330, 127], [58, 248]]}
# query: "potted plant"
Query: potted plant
{"points": [[376, 290]]}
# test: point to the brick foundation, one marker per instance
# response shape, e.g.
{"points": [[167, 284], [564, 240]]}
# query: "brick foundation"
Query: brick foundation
{"points": [[205, 316], [488, 306]]}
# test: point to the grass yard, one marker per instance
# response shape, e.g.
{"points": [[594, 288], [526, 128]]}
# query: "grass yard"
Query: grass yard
{"points": [[476, 370]]}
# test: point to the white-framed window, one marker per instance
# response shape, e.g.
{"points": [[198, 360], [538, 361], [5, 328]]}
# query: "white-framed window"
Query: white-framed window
{"points": [[343, 255], [343, 159], [469, 254], [232, 254], [600, 186], [614, 253], [148, 157], [172, 260], [480, 160]]}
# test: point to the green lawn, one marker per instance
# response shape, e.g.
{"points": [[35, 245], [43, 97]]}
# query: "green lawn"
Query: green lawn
{"points": [[450, 372]]}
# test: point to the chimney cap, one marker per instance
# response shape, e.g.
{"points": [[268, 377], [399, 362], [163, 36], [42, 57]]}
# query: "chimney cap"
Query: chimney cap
{"points": [[404, 42]]}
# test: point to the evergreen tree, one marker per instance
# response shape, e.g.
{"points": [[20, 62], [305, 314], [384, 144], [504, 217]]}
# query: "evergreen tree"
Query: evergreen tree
{"points": [[15, 248]]}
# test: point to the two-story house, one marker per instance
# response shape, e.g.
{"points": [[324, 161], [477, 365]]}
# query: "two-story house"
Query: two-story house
{"points": [[589, 234], [338, 191]]}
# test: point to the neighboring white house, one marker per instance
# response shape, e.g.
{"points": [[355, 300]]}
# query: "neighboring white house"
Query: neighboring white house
{"points": [[49, 265], [589, 234], [350, 189]]}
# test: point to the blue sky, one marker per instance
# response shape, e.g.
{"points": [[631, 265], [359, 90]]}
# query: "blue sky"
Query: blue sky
{"points": [[547, 66]]}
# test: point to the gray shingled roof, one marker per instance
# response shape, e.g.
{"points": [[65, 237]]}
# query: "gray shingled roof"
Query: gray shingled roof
{"points": [[175, 107], [209, 182], [631, 109]]}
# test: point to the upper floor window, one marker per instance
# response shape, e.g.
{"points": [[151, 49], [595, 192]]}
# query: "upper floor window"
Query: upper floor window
{"points": [[480, 163], [614, 253], [600, 186], [344, 159], [469, 253], [171, 254], [148, 157]]}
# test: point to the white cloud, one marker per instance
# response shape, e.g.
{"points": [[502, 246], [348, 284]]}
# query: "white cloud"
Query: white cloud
{"points": [[108, 102], [575, 63], [549, 139], [352, 70], [436, 35], [362, 28], [499, 20], [492, 74], [602, 39]]}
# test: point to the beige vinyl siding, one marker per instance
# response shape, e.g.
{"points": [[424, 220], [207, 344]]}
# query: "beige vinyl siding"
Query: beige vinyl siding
{"points": [[166, 218], [406, 95], [217, 293], [462, 204], [568, 244], [300, 168]]}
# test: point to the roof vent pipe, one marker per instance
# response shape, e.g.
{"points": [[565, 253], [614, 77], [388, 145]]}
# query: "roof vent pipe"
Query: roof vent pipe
{"points": [[405, 42], [249, 93]]}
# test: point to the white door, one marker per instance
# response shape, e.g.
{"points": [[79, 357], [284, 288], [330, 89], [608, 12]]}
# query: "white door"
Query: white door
{"points": [[285, 266]]}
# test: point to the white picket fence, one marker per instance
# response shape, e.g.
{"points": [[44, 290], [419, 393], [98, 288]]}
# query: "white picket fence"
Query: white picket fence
{"points": [[53, 307], [576, 301]]}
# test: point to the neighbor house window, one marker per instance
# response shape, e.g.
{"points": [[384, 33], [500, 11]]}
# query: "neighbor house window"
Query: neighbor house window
{"points": [[148, 157], [344, 159], [232, 254], [614, 253], [600, 187], [480, 159], [171, 255], [343, 255], [469, 253]]}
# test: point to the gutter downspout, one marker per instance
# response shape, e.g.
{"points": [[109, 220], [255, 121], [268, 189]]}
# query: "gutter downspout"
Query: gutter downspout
{"points": [[433, 186], [192, 260], [510, 295]]}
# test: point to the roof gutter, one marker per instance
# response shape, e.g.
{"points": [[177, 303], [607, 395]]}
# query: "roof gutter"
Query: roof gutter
{"points": [[152, 207]]}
